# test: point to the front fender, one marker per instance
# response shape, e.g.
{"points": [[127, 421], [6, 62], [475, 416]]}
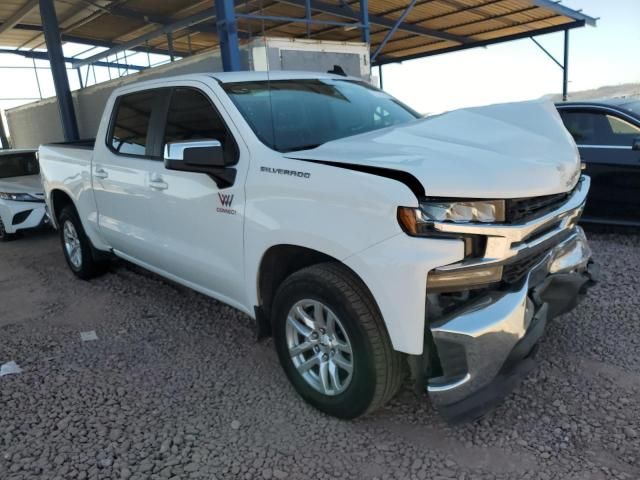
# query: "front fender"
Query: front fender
{"points": [[352, 217], [395, 271]]}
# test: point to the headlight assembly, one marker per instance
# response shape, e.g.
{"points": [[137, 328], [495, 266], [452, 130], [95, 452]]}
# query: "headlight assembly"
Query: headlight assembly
{"points": [[19, 197], [416, 221]]}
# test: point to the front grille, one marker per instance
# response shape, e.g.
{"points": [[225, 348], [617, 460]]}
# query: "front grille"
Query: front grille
{"points": [[513, 272], [526, 209]]}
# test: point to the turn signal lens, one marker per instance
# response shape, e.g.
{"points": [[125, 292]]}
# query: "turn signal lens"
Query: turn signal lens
{"points": [[409, 218]]}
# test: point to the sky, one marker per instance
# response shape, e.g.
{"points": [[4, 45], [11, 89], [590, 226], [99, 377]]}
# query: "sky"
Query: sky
{"points": [[608, 54]]}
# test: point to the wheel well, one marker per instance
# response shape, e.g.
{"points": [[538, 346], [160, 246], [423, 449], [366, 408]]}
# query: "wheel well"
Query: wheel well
{"points": [[59, 200], [278, 263]]}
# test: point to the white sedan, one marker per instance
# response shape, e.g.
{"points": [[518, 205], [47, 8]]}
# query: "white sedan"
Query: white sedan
{"points": [[21, 199]]}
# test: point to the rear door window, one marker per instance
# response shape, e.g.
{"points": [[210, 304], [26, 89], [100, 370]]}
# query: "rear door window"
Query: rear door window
{"points": [[599, 128], [130, 128]]}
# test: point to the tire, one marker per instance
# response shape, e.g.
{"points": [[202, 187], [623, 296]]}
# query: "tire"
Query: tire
{"points": [[72, 236], [4, 236], [377, 370]]}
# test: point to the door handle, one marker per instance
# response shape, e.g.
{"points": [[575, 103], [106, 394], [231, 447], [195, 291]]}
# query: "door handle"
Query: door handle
{"points": [[157, 183], [100, 173]]}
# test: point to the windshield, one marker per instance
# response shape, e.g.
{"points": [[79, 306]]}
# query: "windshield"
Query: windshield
{"points": [[290, 115], [18, 164]]}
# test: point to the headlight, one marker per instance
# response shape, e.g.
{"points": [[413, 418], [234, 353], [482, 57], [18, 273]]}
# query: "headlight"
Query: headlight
{"points": [[416, 221], [485, 211], [19, 197]]}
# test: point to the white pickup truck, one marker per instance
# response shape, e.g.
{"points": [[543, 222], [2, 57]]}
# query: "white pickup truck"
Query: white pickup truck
{"points": [[374, 245]]}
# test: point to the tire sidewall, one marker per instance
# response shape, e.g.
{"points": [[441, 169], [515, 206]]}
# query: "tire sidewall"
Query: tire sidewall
{"points": [[355, 400], [69, 214], [4, 236]]}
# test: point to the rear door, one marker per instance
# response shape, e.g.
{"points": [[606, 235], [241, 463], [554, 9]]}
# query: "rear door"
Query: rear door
{"points": [[123, 170], [605, 138]]}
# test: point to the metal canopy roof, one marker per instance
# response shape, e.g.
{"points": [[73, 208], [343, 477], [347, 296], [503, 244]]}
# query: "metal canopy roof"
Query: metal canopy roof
{"points": [[399, 29]]}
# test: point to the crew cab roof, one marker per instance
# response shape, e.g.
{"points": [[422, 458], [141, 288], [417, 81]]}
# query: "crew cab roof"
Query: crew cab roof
{"points": [[231, 77]]}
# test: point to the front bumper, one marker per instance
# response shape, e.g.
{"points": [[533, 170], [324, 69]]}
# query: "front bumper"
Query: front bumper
{"points": [[485, 345], [18, 216]]}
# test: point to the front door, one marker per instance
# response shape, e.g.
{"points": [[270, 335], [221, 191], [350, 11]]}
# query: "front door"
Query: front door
{"points": [[198, 224]]}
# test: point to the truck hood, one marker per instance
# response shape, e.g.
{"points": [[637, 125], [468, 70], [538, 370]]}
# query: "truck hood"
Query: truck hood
{"points": [[499, 151], [26, 184]]}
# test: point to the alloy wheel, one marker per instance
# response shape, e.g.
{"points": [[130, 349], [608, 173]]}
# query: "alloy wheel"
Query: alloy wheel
{"points": [[319, 347]]}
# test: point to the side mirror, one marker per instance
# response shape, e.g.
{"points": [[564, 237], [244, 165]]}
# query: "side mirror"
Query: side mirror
{"points": [[194, 153], [200, 156], [636, 144]]}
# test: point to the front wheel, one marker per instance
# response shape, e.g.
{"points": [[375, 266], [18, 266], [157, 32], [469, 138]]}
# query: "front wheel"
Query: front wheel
{"points": [[332, 342], [77, 248]]}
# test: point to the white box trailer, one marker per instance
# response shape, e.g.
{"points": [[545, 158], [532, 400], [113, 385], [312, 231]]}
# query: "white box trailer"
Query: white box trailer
{"points": [[37, 123]]}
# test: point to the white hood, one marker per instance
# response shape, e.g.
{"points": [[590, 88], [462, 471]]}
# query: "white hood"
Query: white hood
{"points": [[26, 184], [499, 151]]}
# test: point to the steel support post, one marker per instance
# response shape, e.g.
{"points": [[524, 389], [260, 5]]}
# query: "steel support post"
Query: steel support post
{"points": [[58, 69], [307, 14], [364, 20], [228, 35], [170, 46], [565, 67], [3, 135]]}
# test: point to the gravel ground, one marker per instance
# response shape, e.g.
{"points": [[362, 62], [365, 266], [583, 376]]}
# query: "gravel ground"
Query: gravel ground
{"points": [[176, 387]]}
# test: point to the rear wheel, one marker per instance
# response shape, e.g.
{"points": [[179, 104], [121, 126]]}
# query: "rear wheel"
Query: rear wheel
{"points": [[4, 236], [77, 248], [332, 342]]}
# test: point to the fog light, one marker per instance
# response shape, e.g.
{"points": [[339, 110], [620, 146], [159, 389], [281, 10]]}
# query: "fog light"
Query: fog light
{"points": [[463, 279]]}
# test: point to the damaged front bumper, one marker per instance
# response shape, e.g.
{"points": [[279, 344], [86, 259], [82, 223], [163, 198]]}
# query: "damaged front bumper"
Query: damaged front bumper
{"points": [[485, 344]]}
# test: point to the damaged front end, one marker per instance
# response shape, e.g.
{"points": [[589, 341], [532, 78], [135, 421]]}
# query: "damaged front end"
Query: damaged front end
{"points": [[482, 334]]}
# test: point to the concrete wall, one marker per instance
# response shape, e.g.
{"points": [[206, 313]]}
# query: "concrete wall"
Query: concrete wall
{"points": [[39, 122]]}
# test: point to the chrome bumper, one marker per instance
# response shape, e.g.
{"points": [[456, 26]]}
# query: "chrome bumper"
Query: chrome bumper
{"points": [[483, 345]]}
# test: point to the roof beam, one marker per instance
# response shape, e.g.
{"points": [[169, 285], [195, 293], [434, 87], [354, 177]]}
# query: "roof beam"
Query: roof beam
{"points": [[566, 11], [87, 41], [159, 19], [18, 16], [158, 32], [501, 18], [382, 21], [393, 30], [480, 43], [37, 55]]}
